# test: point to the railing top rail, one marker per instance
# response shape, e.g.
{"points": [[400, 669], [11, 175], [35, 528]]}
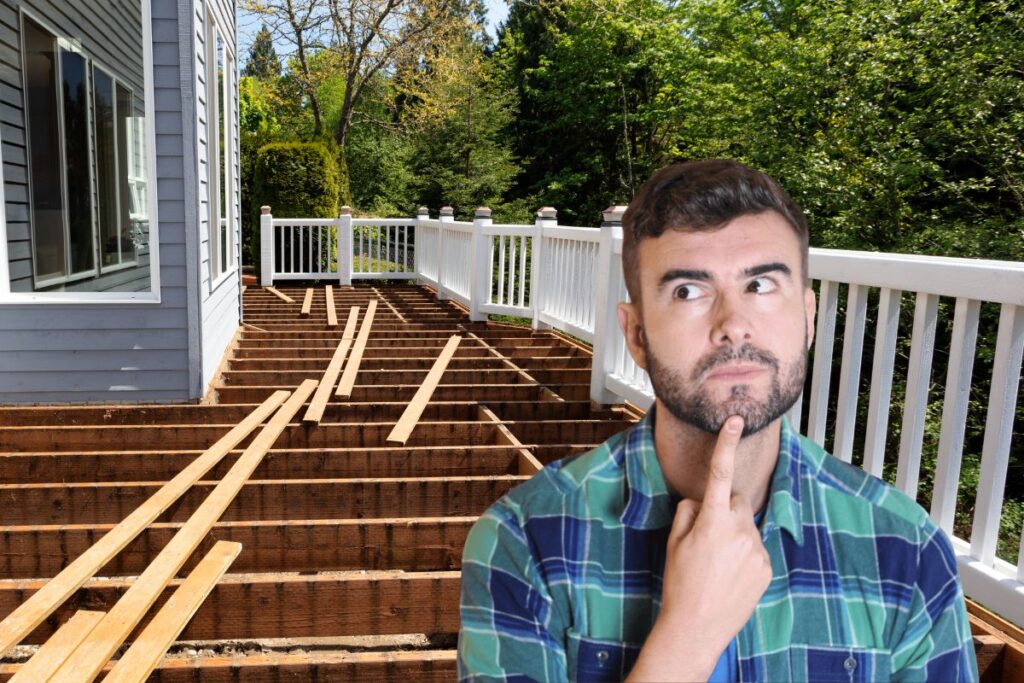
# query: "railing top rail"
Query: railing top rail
{"points": [[508, 229], [984, 280], [458, 226], [429, 222], [299, 222], [384, 221], [567, 232]]}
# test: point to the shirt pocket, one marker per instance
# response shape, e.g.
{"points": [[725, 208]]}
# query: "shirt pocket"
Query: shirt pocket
{"points": [[825, 664], [592, 660]]}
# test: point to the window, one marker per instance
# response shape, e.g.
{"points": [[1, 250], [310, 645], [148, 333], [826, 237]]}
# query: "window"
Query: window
{"points": [[88, 214], [220, 152]]}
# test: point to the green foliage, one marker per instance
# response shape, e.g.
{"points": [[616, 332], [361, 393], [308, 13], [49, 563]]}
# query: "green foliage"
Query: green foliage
{"points": [[297, 179]]}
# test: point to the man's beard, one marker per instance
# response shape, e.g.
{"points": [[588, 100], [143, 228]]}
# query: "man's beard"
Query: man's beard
{"points": [[690, 401]]}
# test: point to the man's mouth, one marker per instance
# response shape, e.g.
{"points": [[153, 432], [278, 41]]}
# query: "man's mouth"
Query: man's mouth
{"points": [[735, 371]]}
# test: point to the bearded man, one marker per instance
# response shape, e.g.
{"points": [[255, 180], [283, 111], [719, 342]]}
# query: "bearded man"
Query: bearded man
{"points": [[710, 541]]}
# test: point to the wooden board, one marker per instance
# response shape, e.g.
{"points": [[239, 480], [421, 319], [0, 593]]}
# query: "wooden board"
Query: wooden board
{"points": [[406, 423], [61, 644], [280, 295], [299, 545], [315, 412], [332, 314], [528, 464], [88, 659], [348, 379], [421, 666], [350, 323], [307, 303], [332, 604], [27, 616], [145, 653]]}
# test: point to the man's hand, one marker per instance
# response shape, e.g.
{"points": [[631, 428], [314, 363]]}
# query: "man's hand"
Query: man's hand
{"points": [[716, 570]]}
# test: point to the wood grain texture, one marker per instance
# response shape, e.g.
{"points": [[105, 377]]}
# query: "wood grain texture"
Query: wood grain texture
{"points": [[55, 650], [27, 616], [149, 647], [405, 425], [88, 659]]}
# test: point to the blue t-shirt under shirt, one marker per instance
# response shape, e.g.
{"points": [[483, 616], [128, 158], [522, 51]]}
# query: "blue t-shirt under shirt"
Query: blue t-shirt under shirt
{"points": [[726, 670]]}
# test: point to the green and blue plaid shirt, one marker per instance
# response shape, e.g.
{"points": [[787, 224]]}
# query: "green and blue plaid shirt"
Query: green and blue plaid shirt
{"points": [[561, 578]]}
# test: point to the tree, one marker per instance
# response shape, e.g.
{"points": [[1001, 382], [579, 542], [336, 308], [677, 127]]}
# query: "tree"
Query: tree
{"points": [[262, 62], [357, 39]]}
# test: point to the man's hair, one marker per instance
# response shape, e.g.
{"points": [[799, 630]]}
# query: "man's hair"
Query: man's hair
{"points": [[698, 196]]}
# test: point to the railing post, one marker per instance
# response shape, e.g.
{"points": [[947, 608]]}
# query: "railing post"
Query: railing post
{"points": [[344, 245], [547, 217], [606, 322], [266, 247], [419, 243], [480, 271], [447, 216]]}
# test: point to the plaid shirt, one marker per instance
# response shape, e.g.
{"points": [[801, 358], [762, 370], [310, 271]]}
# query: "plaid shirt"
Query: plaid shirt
{"points": [[562, 577]]}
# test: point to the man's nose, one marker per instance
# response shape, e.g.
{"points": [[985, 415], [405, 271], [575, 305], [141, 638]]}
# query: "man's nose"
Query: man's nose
{"points": [[730, 324]]}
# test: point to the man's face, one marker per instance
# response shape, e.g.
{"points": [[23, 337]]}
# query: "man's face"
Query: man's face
{"points": [[724, 321]]}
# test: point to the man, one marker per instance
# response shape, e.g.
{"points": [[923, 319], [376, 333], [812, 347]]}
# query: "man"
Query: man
{"points": [[710, 541]]}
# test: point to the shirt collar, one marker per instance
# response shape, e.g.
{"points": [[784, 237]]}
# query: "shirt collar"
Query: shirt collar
{"points": [[650, 505]]}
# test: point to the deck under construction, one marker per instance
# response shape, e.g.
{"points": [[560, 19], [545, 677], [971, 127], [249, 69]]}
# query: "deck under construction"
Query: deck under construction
{"points": [[351, 544], [350, 539]]}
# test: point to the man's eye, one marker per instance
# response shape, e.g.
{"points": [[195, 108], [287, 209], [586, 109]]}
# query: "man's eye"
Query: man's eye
{"points": [[687, 292], [762, 285]]}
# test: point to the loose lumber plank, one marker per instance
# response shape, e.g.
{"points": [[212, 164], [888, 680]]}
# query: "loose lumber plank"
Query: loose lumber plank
{"points": [[253, 327], [61, 644], [350, 324], [307, 303], [348, 379], [280, 295], [145, 653], [26, 617], [332, 314], [388, 304], [88, 659], [406, 423], [315, 412]]}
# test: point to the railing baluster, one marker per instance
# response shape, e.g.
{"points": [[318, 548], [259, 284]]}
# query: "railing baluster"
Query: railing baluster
{"points": [[512, 270], [881, 380], [915, 403], [501, 270], [849, 376], [954, 412], [825, 337], [995, 449]]}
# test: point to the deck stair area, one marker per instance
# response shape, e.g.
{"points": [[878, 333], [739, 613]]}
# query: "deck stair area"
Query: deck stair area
{"points": [[351, 543]]}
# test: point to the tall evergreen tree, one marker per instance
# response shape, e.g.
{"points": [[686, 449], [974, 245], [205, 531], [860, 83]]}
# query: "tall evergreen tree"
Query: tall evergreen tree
{"points": [[262, 62]]}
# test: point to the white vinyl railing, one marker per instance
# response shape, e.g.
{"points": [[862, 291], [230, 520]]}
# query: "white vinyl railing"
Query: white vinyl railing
{"points": [[571, 279]]}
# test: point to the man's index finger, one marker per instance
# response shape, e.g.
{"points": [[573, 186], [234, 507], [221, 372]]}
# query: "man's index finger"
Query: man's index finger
{"points": [[723, 462]]}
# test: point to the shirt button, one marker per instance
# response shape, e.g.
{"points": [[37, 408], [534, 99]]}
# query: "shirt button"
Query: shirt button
{"points": [[602, 656], [850, 664]]}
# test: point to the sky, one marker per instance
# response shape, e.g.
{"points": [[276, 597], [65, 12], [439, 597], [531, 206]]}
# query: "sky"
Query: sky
{"points": [[249, 24]]}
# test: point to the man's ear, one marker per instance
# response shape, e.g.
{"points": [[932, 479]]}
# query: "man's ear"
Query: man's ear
{"points": [[810, 309], [633, 330]]}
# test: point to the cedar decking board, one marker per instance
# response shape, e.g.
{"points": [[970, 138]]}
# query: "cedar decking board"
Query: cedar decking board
{"points": [[342, 533]]}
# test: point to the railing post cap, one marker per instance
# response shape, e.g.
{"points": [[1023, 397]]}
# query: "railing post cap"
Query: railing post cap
{"points": [[423, 211], [346, 210], [613, 214], [447, 211], [547, 212], [482, 212], [265, 210]]}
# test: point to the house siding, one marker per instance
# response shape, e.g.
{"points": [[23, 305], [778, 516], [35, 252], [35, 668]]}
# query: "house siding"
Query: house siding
{"points": [[220, 299], [139, 352]]}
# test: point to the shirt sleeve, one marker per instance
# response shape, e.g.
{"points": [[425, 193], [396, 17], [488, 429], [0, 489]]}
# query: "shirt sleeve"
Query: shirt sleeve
{"points": [[506, 631], [937, 643]]}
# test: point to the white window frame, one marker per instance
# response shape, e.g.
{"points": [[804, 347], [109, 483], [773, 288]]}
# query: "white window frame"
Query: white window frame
{"points": [[214, 155], [7, 297]]}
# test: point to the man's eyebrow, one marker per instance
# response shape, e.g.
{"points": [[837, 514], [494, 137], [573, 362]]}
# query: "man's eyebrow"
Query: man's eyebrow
{"points": [[684, 274], [754, 271]]}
